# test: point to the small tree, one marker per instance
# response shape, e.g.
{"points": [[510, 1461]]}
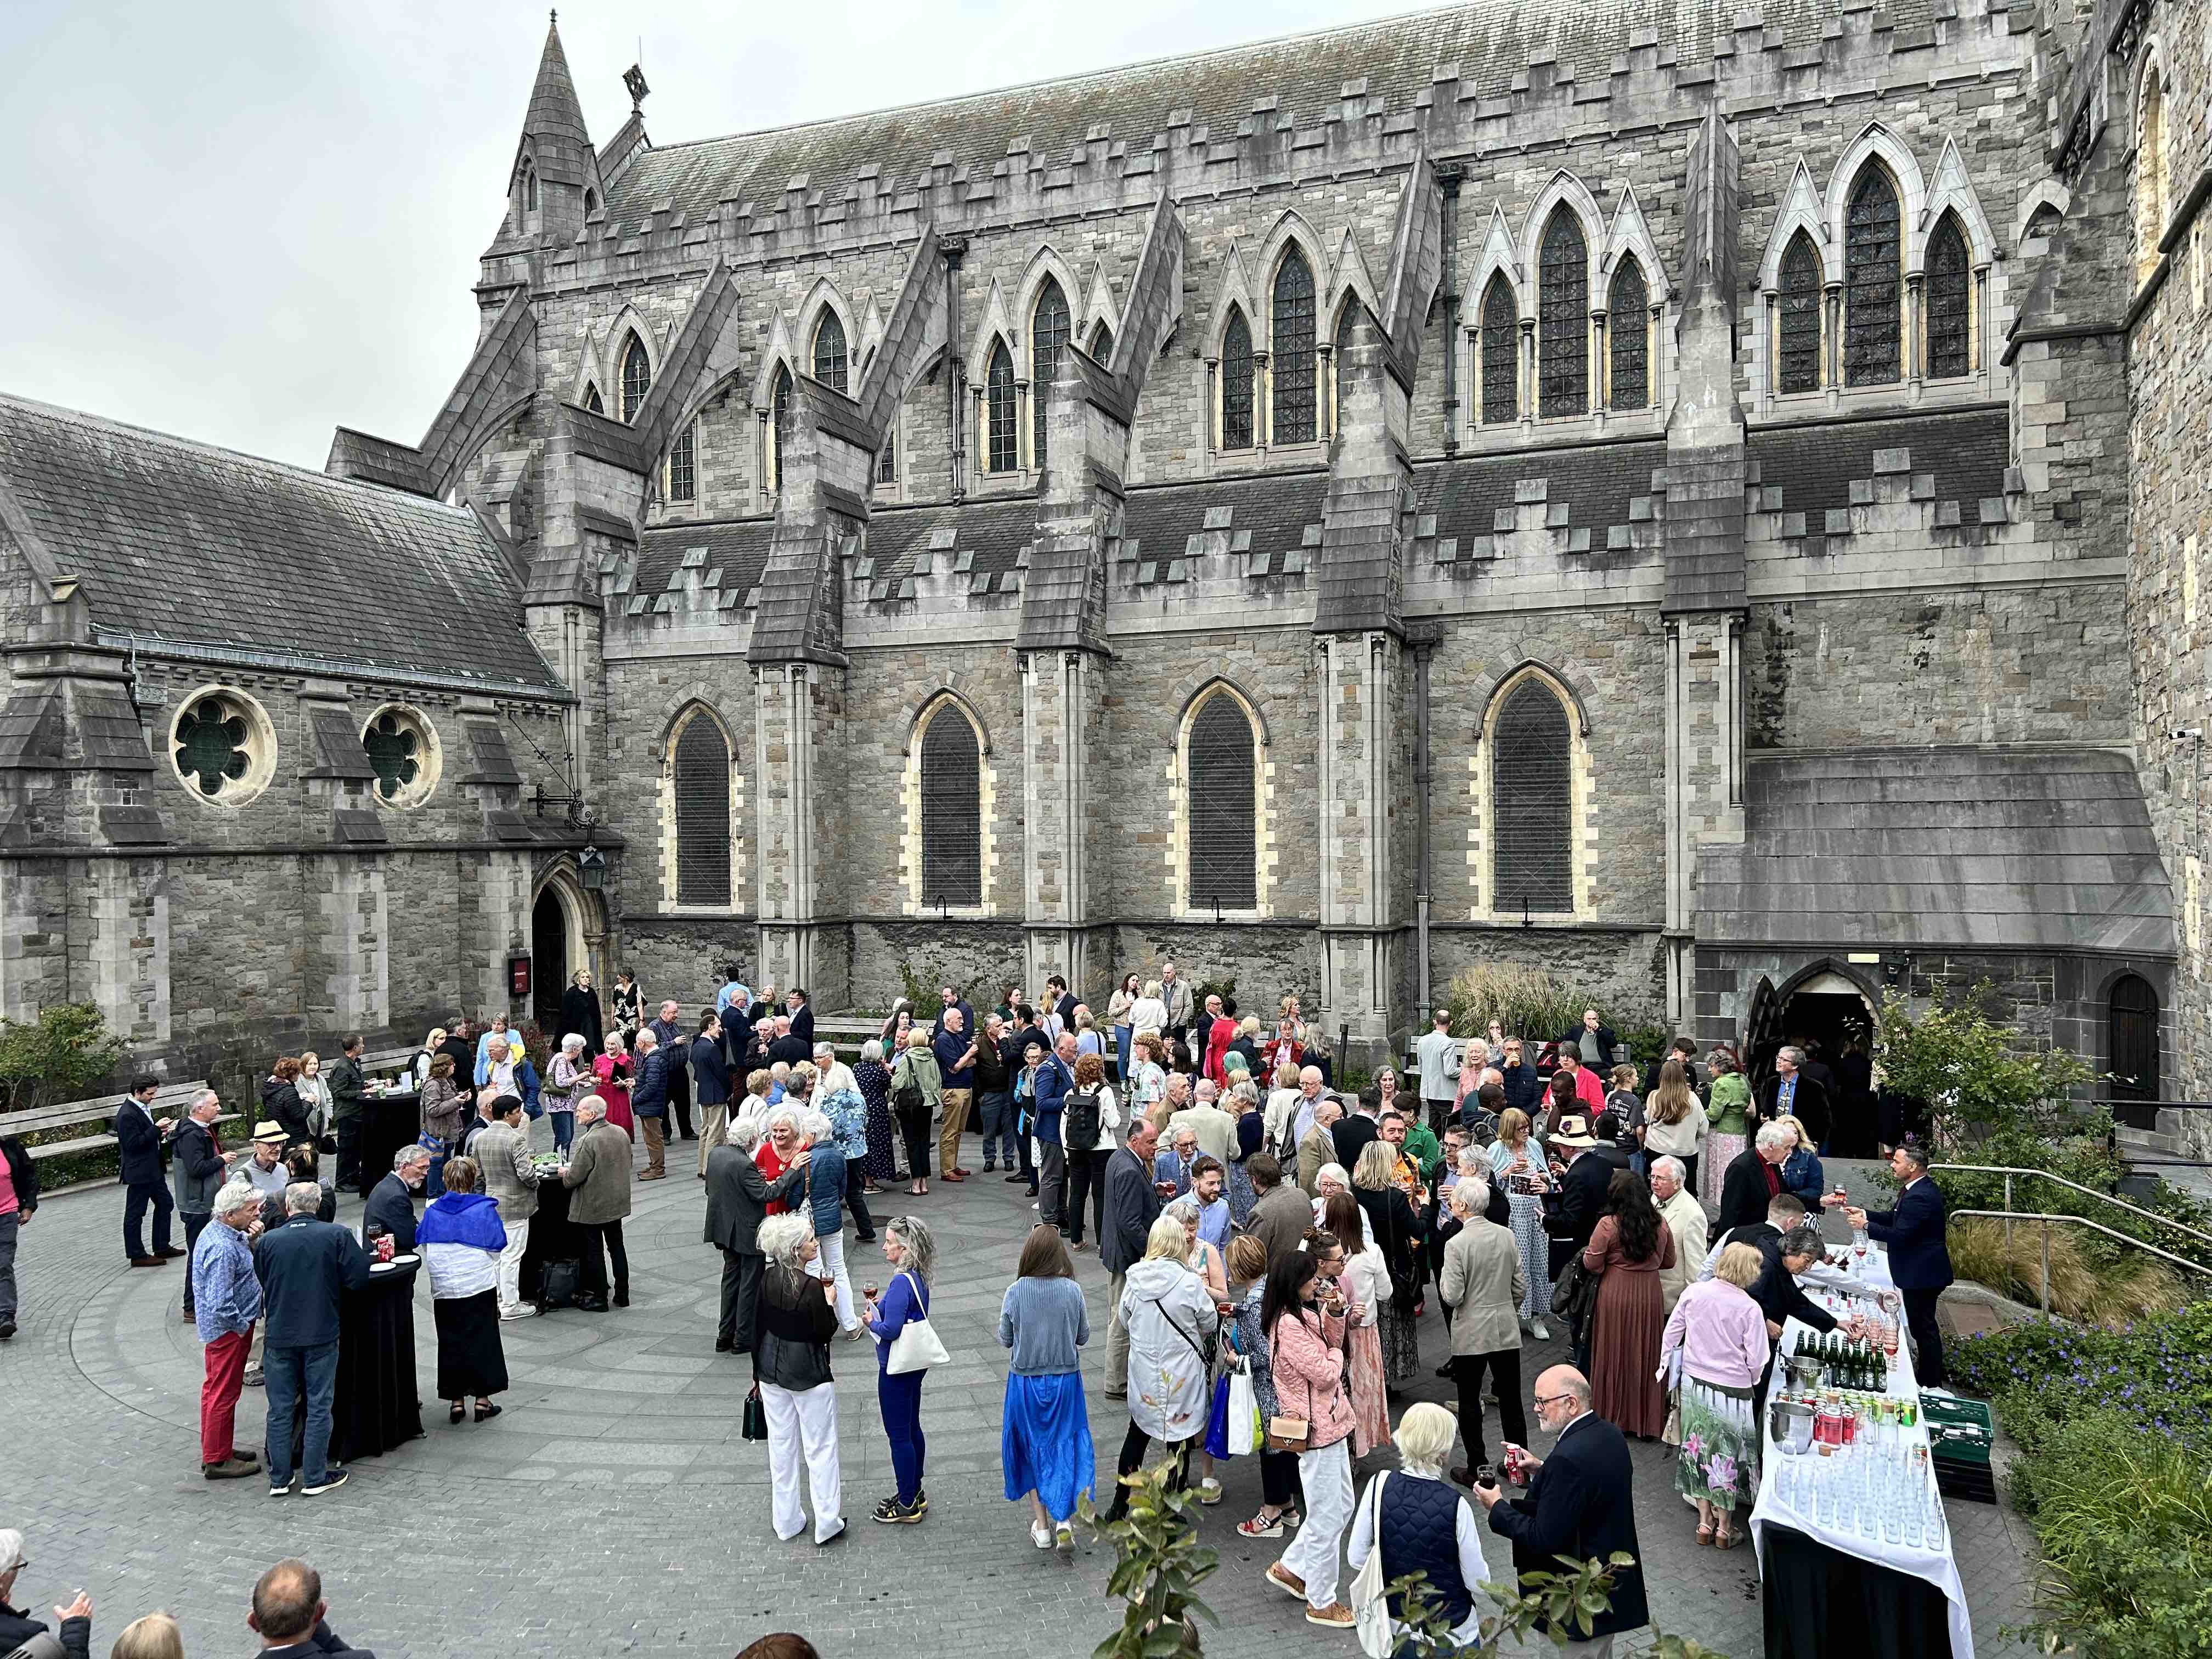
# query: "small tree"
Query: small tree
{"points": [[1974, 1073], [56, 1057], [1159, 1566]]}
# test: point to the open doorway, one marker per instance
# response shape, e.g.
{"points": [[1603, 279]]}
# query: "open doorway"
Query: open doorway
{"points": [[549, 959], [1829, 1017]]}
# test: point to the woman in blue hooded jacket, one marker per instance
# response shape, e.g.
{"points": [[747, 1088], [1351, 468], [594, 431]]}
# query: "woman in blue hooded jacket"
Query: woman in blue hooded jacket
{"points": [[825, 1203], [460, 1238]]}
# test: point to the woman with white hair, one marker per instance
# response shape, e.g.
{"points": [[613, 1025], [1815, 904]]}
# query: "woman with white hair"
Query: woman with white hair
{"points": [[18, 1627], [1421, 1525], [570, 1077], [793, 1319], [1170, 1314], [825, 1208], [1334, 1181], [873, 1079], [911, 1250]]}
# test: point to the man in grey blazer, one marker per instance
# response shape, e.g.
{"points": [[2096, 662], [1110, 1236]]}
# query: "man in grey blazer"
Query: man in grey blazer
{"points": [[1483, 1284], [738, 1197]]}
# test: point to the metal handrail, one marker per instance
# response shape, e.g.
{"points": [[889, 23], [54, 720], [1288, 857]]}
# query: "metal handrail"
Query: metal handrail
{"points": [[2044, 1291], [2009, 1170]]}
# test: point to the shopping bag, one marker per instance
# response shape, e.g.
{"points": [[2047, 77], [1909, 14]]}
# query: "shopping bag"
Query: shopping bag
{"points": [[1243, 1429], [755, 1422], [1217, 1421], [1370, 1605]]}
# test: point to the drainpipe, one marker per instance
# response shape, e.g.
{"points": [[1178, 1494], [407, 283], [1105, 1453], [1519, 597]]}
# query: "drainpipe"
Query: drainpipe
{"points": [[956, 378], [1424, 642], [1448, 174]]}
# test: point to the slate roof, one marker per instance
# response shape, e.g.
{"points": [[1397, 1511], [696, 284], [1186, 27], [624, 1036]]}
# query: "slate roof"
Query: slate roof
{"points": [[1268, 517], [184, 542], [737, 548], [995, 535], [1595, 484], [1392, 60], [1813, 466], [1957, 848]]}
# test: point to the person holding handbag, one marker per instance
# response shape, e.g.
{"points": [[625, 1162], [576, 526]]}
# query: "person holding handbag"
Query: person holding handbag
{"points": [[1305, 1337], [1421, 1525], [911, 1250], [1168, 1311]]}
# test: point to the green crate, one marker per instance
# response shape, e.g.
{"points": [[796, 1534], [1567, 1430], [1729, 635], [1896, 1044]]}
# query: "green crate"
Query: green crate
{"points": [[1959, 1431]]}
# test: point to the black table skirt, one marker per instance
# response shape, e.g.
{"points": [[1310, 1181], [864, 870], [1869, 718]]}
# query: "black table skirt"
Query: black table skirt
{"points": [[553, 1236], [387, 1123], [377, 1405], [1818, 1601]]}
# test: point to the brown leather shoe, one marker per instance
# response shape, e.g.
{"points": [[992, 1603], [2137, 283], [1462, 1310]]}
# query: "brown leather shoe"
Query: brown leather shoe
{"points": [[149, 1261], [954, 1175], [170, 1252]]}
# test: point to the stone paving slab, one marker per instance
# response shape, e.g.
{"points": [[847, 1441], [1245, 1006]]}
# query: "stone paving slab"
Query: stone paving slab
{"points": [[613, 1507]]}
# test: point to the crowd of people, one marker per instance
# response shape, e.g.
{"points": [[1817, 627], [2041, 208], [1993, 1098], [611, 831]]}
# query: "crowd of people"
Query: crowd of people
{"points": [[1264, 1237]]}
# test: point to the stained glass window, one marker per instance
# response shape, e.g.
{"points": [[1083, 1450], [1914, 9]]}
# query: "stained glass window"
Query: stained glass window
{"points": [[952, 810], [1048, 331], [1223, 815], [702, 814], [391, 745], [1798, 350], [1872, 283], [1294, 407], [637, 377], [1629, 316], [830, 351], [887, 457], [1501, 348], [211, 738], [1950, 302], [998, 411], [1563, 318], [1532, 803], [1236, 383]]}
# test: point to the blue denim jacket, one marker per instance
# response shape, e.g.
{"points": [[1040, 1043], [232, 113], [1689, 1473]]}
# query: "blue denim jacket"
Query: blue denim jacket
{"points": [[826, 1187]]}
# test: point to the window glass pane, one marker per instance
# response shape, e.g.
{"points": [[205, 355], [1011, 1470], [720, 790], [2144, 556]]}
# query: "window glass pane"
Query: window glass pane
{"points": [[1799, 369], [592, 400], [1101, 343], [1236, 384], [887, 460], [702, 814], [683, 466], [1872, 283], [1294, 351], [1224, 864], [1500, 372], [211, 744], [1563, 318], [1531, 804], [637, 377], [951, 811], [998, 411], [1950, 286], [1048, 333], [830, 351], [780, 412], [1628, 312]]}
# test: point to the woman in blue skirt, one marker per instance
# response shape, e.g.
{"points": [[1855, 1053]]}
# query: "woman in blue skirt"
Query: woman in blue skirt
{"points": [[1045, 1442]]}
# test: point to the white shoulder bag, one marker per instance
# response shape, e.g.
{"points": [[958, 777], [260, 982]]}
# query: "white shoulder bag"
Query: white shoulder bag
{"points": [[1370, 1605], [915, 1348]]}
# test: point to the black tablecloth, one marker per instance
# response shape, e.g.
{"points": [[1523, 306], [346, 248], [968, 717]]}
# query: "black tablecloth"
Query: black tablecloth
{"points": [[1818, 1601], [375, 1404], [387, 1123], [553, 1236]]}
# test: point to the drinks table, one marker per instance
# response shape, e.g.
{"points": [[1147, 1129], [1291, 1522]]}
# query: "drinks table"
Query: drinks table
{"points": [[1854, 1549]]}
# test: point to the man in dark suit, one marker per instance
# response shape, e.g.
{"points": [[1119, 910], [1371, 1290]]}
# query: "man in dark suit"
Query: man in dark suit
{"points": [[710, 1072], [786, 1045], [1593, 1041], [1754, 1177], [288, 1615], [1132, 1204], [140, 1141], [738, 1197], [1919, 1259], [305, 1264], [801, 1016], [1581, 1199], [1798, 1094], [676, 1047], [1354, 1132], [1580, 1504], [391, 1206], [349, 1091]]}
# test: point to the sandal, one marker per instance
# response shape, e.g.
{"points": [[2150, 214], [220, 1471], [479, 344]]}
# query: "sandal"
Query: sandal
{"points": [[1263, 1525], [459, 1411], [1727, 1539], [1705, 1533]]}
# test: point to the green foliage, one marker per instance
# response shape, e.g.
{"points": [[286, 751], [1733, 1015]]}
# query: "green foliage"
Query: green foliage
{"points": [[1159, 1566], [56, 1057], [1225, 988], [1647, 1043], [2057, 1144], [1531, 1003], [1569, 1601], [1973, 1071]]}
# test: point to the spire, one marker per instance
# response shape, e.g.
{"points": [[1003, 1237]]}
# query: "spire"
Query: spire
{"points": [[555, 121], [554, 185]]}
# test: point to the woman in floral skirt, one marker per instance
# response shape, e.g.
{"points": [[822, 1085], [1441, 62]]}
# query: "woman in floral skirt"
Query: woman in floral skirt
{"points": [[1728, 1114], [873, 1078], [1720, 1333], [1517, 1164]]}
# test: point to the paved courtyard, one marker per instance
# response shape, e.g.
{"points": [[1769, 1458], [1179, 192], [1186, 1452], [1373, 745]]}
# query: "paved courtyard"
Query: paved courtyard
{"points": [[614, 1507]]}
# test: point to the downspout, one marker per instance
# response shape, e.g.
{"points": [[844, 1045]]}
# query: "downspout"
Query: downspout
{"points": [[956, 378], [1424, 643], [1448, 174]]}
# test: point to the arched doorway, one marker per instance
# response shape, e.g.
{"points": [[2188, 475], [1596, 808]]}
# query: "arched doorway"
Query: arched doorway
{"points": [[548, 958], [2131, 1038]]}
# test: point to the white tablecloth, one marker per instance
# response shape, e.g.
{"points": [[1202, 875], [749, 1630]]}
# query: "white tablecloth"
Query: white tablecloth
{"points": [[1936, 1565]]}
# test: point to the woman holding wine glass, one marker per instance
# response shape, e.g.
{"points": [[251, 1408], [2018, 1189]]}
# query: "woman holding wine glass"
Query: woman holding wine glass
{"points": [[911, 1250]]}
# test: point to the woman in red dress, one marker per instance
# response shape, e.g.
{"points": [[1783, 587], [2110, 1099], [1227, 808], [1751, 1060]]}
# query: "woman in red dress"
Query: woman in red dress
{"points": [[1629, 1248], [615, 1067]]}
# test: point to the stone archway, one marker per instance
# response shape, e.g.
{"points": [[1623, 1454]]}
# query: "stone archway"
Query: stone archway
{"points": [[568, 931]]}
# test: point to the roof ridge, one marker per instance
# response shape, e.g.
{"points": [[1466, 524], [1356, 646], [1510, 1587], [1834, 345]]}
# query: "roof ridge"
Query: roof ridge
{"points": [[1107, 71], [202, 446]]}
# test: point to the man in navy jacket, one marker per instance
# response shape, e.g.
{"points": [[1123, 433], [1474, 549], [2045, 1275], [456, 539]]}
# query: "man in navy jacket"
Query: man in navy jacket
{"points": [[1919, 1259], [140, 1141], [305, 1264], [1580, 1504]]}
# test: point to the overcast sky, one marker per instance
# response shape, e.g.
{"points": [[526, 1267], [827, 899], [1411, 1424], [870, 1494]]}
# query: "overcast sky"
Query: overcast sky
{"points": [[251, 223]]}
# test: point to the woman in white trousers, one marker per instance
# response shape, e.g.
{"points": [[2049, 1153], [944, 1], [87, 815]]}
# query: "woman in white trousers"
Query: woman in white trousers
{"points": [[793, 1319]]}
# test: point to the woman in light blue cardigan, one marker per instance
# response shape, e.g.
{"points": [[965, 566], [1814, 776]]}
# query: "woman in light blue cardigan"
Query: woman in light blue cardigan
{"points": [[1044, 1440]]}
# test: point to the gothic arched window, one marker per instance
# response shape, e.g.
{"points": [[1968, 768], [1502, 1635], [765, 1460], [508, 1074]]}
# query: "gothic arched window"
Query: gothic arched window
{"points": [[1001, 454], [1532, 796], [887, 457], [1348, 334], [1797, 324], [830, 351], [1236, 383], [952, 810], [636, 376], [1294, 408], [1101, 344], [1501, 349], [1950, 302], [1048, 331], [1628, 310], [1223, 811], [592, 400], [701, 799], [1563, 318], [1872, 283], [779, 414], [680, 480]]}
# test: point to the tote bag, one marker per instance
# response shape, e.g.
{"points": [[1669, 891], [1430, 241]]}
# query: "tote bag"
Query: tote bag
{"points": [[1370, 1605], [916, 1347]]}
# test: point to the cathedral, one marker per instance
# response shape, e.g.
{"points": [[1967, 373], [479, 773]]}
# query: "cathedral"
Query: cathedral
{"points": [[1704, 498]]}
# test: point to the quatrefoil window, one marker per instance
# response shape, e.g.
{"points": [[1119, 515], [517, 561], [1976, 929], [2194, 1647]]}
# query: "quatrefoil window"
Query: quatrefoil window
{"points": [[211, 746], [392, 748]]}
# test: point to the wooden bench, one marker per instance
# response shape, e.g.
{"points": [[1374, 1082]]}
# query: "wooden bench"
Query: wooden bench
{"points": [[385, 1061], [173, 1100]]}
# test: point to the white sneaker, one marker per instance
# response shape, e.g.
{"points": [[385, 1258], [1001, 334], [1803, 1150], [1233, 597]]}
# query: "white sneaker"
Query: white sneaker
{"points": [[1064, 1536], [1041, 1534], [1540, 1332], [519, 1310]]}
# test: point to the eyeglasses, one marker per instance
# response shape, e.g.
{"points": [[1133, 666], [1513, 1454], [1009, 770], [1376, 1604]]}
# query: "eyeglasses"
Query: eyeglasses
{"points": [[1543, 1399]]}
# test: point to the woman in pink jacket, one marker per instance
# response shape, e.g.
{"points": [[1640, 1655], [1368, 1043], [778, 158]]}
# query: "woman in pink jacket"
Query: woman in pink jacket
{"points": [[1305, 1332]]}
